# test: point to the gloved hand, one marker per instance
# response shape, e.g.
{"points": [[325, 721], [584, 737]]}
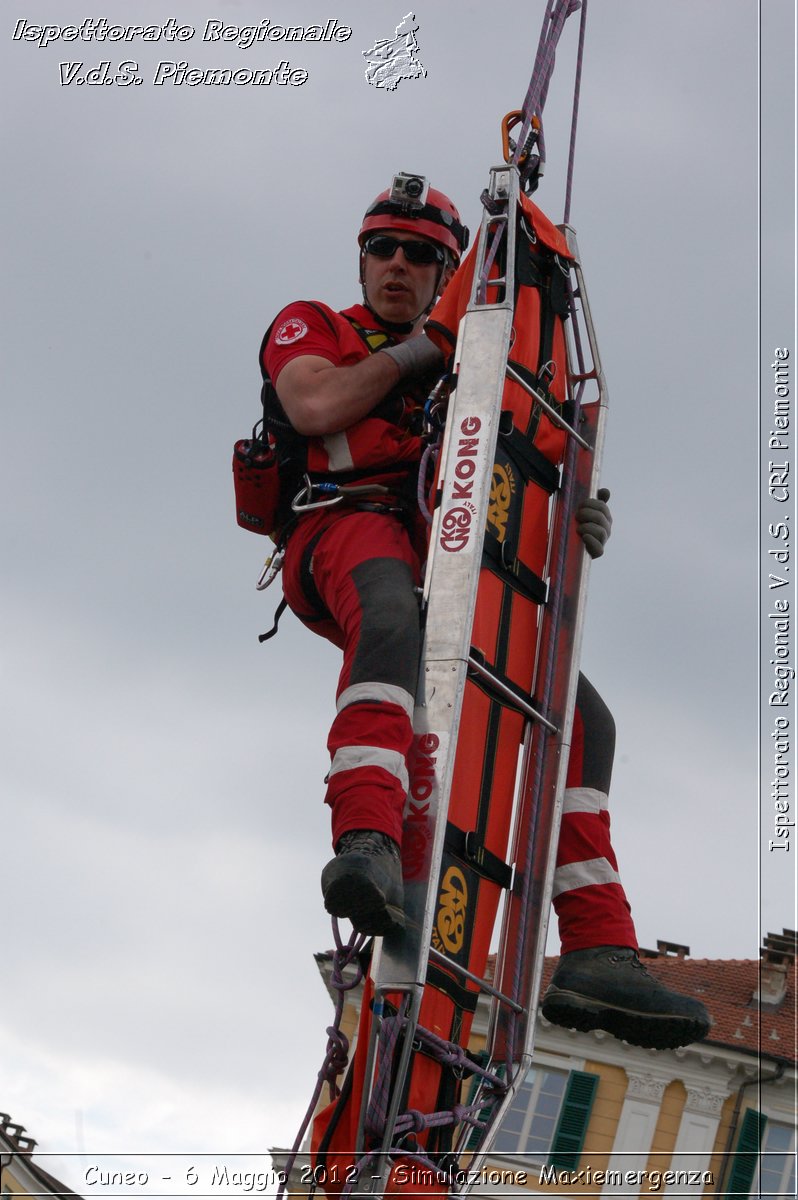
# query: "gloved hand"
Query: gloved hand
{"points": [[594, 522], [416, 356]]}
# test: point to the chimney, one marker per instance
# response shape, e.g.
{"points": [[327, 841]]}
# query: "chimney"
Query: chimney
{"points": [[776, 957], [673, 949]]}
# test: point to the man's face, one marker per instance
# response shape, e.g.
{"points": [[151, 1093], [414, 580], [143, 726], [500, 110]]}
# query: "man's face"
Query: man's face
{"points": [[399, 290]]}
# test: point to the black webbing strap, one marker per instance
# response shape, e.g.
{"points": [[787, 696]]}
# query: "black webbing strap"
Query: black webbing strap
{"points": [[428, 213], [534, 465], [516, 574], [540, 384], [281, 607], [459, 995], [469, 849]]}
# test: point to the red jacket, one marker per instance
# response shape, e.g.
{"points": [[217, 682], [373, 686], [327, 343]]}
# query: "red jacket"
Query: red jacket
{"points": [[390, 435]]}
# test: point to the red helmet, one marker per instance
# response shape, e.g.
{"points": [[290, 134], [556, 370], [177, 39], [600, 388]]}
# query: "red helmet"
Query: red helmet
{"points": [[412, 205]]}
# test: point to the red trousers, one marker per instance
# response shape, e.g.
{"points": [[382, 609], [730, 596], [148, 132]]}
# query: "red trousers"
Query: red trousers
{"points": [[351, 577]]}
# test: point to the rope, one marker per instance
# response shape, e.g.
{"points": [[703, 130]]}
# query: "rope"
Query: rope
{"points": [[448, 1054], [337, 1053], [575, 113], [531, 133], [535, 100]]}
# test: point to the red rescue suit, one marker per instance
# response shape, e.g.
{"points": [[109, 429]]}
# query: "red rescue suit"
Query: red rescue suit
{"points": [[350, 576]]}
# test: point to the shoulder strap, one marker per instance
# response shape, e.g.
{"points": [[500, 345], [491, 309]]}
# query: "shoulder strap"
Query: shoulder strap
{"points": [[374, 339]]}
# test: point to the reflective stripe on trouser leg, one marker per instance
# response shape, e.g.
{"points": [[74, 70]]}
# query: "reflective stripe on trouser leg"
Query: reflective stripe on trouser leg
{"points": [[588, 897], [364, 570]]}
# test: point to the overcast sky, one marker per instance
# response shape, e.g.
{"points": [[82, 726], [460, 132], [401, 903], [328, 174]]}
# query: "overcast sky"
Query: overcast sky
{"points": [[163, 830]]}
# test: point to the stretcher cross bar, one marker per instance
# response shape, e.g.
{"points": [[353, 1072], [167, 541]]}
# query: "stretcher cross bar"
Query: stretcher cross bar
{"points": [[483, 984], [548, 409], [509, 695]]}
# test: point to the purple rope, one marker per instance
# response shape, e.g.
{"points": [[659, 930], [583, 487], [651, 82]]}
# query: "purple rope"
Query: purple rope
{"points": [[337, 1054], [553, 23], [447, 1053], [575, 113], [381, 1092], [439, 1174], [452, 1055], [421, 495], [534, 102]]}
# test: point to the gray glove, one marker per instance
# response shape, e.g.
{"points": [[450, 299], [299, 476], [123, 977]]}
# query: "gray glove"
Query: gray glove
{"points": [[416, 356], [594, 522]]}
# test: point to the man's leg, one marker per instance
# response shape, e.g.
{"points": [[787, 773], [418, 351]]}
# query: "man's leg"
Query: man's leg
{"points": [[588, 897], [600, 982], [361, 574]]}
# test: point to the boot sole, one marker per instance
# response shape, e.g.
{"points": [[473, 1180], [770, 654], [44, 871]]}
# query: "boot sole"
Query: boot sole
{"points": [[656, 1031], [362, 901]]}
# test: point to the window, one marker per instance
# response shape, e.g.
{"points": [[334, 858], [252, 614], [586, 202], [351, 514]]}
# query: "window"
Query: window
{"points": [[530, 1122], [776, 1175], [548, 1117]]}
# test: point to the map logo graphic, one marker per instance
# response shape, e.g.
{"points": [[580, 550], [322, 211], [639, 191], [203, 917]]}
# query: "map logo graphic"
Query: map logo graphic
{"points": [[390, 60]]}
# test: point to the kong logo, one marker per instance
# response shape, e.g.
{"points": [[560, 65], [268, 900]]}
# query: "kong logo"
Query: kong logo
{"points": [[417, 831], [453, 902], [502, 488], [458, 518]]}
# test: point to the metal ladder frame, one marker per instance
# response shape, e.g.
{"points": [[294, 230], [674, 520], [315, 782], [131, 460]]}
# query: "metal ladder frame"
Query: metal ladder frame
{"points": [[456, 541]]}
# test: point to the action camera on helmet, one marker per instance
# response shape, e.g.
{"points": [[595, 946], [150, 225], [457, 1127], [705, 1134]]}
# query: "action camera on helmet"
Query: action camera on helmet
{"points": [[410, 191]]}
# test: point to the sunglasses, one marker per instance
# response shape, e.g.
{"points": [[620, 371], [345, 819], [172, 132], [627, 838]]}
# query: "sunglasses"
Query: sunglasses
{"points": [[383, 246]]}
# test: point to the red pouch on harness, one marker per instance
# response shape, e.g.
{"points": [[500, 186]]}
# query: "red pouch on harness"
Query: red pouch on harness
{"points": [[257, 485]]}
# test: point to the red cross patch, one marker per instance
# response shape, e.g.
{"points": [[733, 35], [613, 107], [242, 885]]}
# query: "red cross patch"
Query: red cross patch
{"points": [[290, 331]]}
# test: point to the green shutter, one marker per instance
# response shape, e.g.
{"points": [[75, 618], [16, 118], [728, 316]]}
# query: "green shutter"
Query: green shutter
{"points": [[746, 1155], [574, 1116]]}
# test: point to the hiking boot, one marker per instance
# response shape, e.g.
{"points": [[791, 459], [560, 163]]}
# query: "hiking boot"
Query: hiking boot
{"points": [[609, 988], [364, 882]]}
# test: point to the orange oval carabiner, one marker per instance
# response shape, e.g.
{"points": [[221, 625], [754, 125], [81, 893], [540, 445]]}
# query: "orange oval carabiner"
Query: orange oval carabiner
{"points": [[510, 121]]}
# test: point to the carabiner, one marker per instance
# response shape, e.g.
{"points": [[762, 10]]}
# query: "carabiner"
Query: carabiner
{"points": [[509, 147], [303, 501], [271, 569]]}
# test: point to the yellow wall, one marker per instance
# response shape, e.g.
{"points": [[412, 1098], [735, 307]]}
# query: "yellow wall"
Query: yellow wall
{"points": [[9, 1183], [667, 1130]]}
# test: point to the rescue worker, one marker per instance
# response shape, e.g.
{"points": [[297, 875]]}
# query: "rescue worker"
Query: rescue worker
{"points": [[351, 385]]}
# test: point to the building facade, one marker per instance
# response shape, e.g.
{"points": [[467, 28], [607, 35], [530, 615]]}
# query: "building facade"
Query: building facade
{"points": [[20, 1176], [598, 1117]]}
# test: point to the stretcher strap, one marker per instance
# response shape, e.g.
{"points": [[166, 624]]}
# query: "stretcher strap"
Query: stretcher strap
{"points": [[534, 466], [468, 848], [459, 995], [513, 571]]}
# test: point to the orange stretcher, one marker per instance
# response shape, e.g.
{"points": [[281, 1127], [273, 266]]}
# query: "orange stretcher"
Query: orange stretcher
{"points": [[504, 593]]}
